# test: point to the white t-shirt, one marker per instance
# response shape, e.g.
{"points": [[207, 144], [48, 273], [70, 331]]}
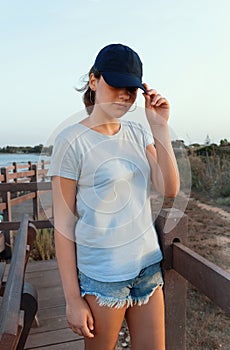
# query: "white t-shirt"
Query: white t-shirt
{"points": [[115, 234]]}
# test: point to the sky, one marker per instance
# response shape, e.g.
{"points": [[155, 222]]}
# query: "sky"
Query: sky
{"points": [[48, 45]]}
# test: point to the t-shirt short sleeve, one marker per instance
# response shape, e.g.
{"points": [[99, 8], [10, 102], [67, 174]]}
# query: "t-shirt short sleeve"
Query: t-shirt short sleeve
{"points": [[148, 137], [64, 160]]}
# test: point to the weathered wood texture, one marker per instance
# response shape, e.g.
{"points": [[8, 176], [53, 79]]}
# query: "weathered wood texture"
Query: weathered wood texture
{"points": [[16, 314], [16, 200], [2, 269], [53, 332], [14, 225], [180, 265], [21, 175], [208, 278], [172, 226]]}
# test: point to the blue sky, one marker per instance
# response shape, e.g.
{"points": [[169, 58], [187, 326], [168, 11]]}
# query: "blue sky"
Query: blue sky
{"points": [[46, 46]]}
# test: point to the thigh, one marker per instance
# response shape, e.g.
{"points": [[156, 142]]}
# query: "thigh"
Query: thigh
{"points": [[146, 323], [107, 324]]}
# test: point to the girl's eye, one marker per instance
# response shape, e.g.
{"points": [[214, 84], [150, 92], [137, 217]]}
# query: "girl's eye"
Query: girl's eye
{"points": [[132, 90]]}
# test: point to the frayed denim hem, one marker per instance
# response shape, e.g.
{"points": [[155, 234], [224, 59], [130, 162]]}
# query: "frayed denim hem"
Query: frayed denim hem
{"points": [[110, 301], [119, 303], [145, 299]]}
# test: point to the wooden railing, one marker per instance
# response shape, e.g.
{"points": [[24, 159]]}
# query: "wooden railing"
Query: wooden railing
{"points": [[21, 183], [19, 298], [180, 265], [23, 174]]}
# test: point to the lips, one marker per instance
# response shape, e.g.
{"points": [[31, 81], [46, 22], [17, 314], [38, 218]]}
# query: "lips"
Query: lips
{"points": [[121, 105]]}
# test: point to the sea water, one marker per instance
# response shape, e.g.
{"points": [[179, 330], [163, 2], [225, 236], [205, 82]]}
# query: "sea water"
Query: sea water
{"points": [[7, 159]]}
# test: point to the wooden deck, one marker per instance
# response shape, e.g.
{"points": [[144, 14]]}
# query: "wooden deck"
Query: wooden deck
{"points": [[53, 332]]}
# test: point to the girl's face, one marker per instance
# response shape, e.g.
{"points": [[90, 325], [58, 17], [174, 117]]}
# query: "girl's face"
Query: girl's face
{"points": [[114, 102]]}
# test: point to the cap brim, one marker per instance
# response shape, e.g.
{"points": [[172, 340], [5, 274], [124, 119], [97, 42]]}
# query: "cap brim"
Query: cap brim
{"points": [[119, 80]]}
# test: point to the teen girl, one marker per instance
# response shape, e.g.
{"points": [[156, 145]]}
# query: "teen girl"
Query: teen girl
{"points": [[101, 169]]}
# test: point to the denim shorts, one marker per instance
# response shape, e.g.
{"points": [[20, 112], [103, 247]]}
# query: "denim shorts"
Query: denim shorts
{"points": [[134, 291]]}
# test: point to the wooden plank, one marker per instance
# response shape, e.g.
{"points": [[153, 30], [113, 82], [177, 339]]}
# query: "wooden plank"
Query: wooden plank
{"points": [[21, 174], [37, 266], [11, 302], [50, 324], [44, 275], [22, 198], [44, 279], [51, 338], [204, 275], [51, 297], [53, 332], [171, 225], [2, 269], [14, 225], [52, 312], [51, 302], [2, 206], [20, 166], [27, 186], [73, 345], [53, 292]]}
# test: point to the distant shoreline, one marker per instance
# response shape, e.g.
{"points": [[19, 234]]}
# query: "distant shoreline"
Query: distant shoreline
{"points": [[38, 149], [19, 152]]}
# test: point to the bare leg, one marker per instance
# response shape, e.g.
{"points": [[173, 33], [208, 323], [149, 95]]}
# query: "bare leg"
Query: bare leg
{"points": [[146, 323], [107, 324]]}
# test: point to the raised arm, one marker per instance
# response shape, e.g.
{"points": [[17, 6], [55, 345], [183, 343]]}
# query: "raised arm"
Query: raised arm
{"points": [[165, 174]]}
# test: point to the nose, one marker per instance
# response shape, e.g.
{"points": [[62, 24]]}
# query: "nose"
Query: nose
{"points": [[124, 94]]}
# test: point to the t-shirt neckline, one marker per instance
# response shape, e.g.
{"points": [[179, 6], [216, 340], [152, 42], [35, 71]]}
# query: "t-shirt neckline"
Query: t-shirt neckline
{"points": [[101, 134]]}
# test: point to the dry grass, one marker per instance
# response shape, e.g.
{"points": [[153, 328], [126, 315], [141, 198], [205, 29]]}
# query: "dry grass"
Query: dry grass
{"points": [[44, 248], [211, 174], [207, 325]]}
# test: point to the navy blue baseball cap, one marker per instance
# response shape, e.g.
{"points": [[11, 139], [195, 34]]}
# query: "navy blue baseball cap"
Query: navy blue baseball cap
{"points": [[120, 66]]}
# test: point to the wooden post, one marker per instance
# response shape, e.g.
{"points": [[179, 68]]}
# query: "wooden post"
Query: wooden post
{"points": [[43, 169], [7, 215], [172, 226], [36, 198], [15, 170], [6, 197]]}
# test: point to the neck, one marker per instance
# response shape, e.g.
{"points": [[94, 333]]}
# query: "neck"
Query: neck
{"points": [[101, 121]]}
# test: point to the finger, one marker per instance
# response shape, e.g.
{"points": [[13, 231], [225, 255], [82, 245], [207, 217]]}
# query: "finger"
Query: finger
{"points": [[155, 99], [77, 331], [151, 92], [158, 100], [162, 101], [90, 322], [148, 90], [146, 87], [86, 332]]}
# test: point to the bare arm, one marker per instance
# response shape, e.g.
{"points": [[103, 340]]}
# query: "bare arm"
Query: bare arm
{"points": [[164, 171], [165, 174], [78, 313]]}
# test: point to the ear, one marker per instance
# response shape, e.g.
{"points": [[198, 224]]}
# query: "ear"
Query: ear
{"points": [[92, 82]]}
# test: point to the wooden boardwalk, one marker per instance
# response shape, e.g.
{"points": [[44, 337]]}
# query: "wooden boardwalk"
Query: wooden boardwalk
{"points": [[53, 332]]}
